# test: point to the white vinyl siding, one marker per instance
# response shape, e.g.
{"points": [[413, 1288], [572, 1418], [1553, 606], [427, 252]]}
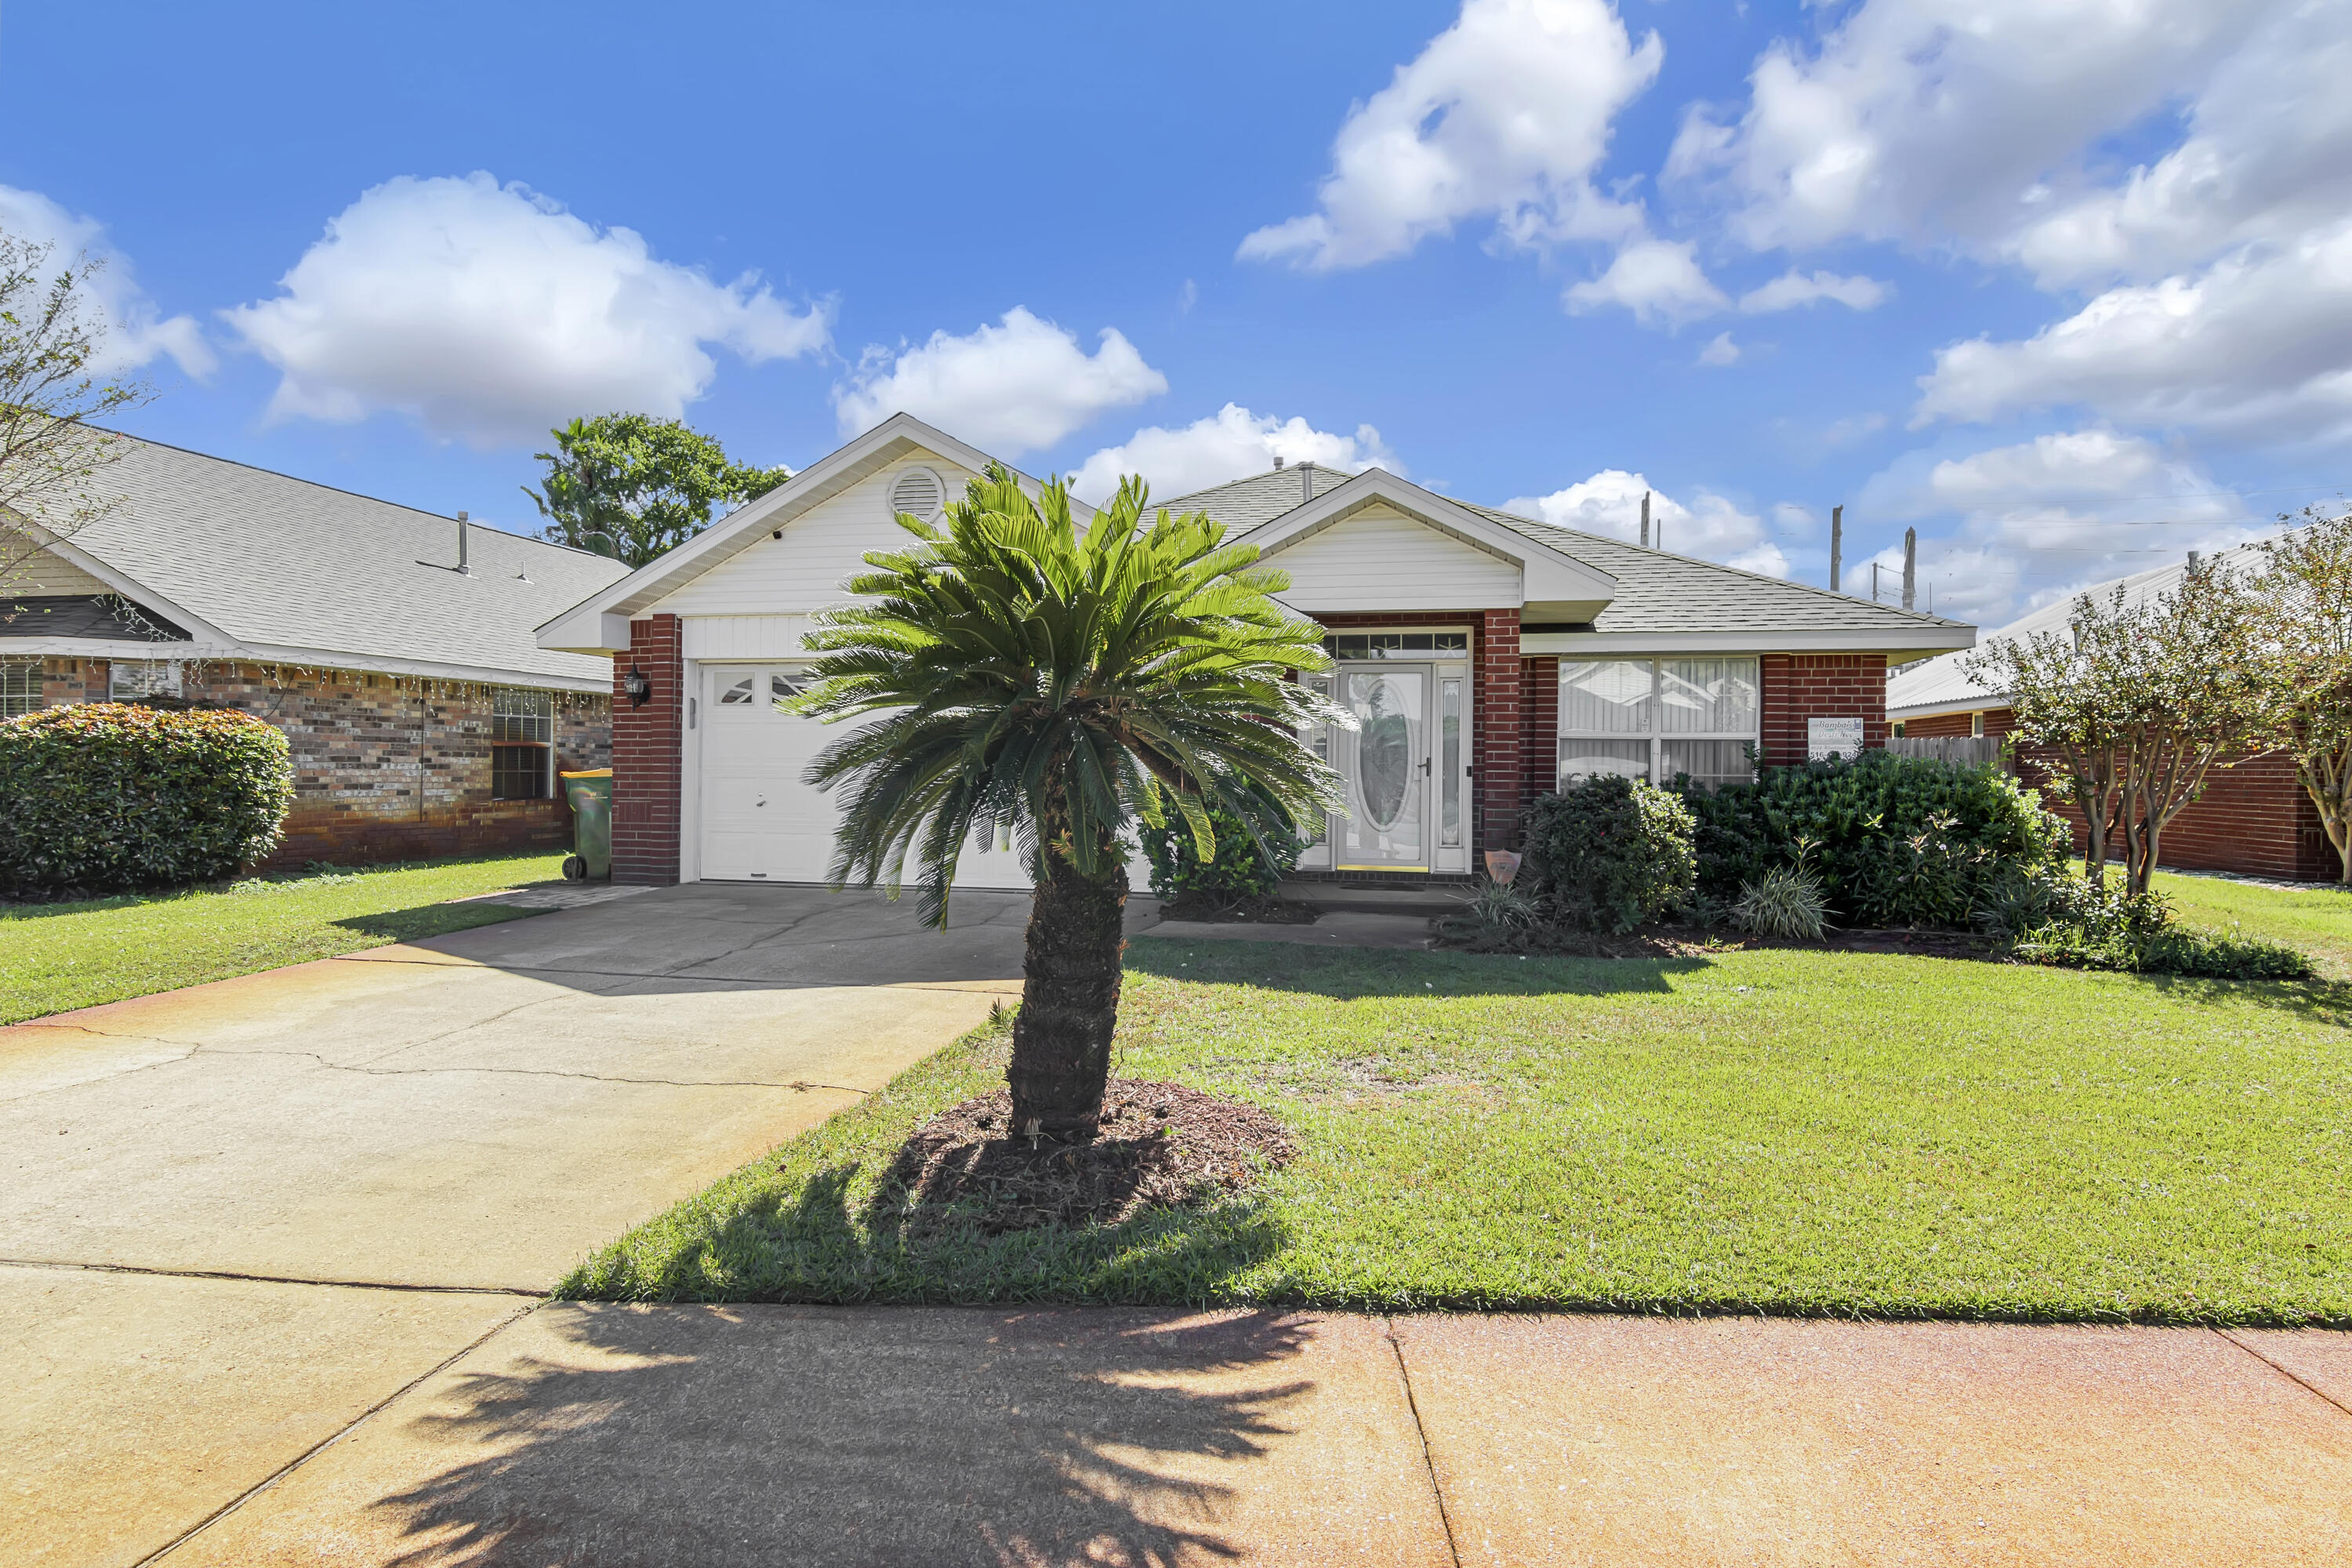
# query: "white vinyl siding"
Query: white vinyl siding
{"points": [[743, 637], [821, 549], [1655, 718], [1382, 560], [44, 575]]}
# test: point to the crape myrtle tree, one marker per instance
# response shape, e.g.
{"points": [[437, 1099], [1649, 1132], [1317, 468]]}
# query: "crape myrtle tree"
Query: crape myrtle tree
{"points": [[2306, 593], [634, 487], [53, 381], [2132, 705], [1021, 673]]}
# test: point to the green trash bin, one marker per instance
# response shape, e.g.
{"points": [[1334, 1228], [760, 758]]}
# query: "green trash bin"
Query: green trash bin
{"points": [[590, 794]]}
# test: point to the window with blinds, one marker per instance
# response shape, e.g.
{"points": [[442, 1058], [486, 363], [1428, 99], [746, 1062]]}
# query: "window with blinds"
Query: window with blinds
{"points": [[20, 687], [1656, 718], [523, 743]]}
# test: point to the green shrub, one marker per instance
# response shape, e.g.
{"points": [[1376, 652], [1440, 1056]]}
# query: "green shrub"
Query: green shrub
{"points": [[1785, 901], [107, 796], [1894, 840], [1242, 866], [2080, 925], [1610, 854]]}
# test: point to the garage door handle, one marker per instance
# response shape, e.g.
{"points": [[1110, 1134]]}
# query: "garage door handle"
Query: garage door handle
{"points": [[759, 801]]}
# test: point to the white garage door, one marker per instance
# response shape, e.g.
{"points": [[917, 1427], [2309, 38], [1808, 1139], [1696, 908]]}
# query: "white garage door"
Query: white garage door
{"points": [[759, 821]]}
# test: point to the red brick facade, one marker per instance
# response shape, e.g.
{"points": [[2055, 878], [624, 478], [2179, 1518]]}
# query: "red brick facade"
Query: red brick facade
{"points": [[647, 742], [1799, 687], [385, 768], [2253, 818]]}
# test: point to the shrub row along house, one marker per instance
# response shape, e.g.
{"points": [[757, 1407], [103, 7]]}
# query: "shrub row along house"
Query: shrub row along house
{"points": [[2253, 817], [393, 646], [1487, 659]]}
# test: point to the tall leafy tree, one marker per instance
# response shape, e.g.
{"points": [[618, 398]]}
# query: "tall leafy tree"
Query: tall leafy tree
{"points": [[1022, 674], [52, 384], [2134, 705], [632, 487], [2306, 591]]}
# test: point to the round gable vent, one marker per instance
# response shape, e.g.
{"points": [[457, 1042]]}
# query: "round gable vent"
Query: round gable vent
{"points": [[920, 491]]}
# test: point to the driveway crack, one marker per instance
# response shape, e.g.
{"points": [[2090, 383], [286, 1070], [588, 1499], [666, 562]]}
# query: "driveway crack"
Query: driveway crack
{"points": [[239, 1276], [802, 1085], [1428, 1463], [2299, 1381]]}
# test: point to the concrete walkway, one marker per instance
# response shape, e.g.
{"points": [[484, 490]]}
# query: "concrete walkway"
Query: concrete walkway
{"points": [[821, 1436]]}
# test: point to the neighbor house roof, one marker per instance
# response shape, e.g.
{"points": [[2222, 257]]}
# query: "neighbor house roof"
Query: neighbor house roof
{"points": [[1942, 685], [261, 566]]}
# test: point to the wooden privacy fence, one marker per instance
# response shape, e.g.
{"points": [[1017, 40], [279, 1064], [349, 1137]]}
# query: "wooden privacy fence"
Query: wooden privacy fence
{"points": [[1967, 750]]}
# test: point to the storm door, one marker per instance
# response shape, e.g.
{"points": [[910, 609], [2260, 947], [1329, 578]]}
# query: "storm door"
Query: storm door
{"points": [[1386, 764]]}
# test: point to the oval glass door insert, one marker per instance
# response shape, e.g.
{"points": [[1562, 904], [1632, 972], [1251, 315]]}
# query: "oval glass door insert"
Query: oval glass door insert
{"points": [[1384, 753]]}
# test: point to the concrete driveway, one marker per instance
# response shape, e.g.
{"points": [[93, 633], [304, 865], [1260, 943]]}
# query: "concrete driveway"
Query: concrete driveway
{"points": [[238, 1216]]}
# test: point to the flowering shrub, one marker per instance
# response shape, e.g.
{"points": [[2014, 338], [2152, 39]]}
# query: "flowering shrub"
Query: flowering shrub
{"points": [[108, 795]]}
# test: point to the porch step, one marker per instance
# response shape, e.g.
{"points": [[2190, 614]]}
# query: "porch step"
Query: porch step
{"points": [[1373, 899]]}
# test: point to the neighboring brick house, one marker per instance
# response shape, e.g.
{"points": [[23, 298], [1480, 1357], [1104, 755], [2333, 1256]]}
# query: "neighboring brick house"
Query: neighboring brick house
{"points": [[424, 718], [2253, 817], [1487, 657]]}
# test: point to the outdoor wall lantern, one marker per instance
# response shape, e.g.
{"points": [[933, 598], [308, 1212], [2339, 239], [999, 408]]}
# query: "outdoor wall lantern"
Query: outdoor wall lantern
{"points": [[638, 684]]}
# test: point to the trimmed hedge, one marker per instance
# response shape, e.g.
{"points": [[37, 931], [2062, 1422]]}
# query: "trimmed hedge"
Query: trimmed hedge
{"points": [[1608, 853], [1238, 870], [108, 795], [1894, 840]]}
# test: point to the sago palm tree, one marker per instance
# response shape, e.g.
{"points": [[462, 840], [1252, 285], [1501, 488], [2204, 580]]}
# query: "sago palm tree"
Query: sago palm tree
{"points": [[1022, 674]]}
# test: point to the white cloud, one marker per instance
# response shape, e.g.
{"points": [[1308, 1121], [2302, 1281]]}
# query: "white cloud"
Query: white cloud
{"points": [[1711, 527], [2257, 345], [2268, 154], [1659, 281], [1230, 444], [2031, 520], [136, 331], [487, 313], [1009, 388], [1793, 288], [1719, 350], [1925, 120], [1507, 113]]}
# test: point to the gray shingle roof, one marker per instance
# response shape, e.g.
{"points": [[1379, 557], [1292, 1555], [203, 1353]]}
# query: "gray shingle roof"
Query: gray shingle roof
{"points": [[1657, 590], [279, 561], [1261, 498]]}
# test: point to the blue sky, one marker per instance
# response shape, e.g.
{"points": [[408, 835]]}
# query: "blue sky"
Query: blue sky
{"points": [[2065, 284]]}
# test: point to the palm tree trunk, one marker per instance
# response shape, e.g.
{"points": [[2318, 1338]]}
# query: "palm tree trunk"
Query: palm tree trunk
{"points": [[1069, 1004]]}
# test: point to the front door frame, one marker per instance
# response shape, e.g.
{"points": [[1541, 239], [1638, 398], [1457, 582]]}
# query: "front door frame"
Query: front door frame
{"points": [[1459, 669]]}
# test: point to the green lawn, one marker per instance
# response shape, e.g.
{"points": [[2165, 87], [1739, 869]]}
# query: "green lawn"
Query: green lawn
{"points": [[2315, 917], [54, 957], [1787, 1132]]}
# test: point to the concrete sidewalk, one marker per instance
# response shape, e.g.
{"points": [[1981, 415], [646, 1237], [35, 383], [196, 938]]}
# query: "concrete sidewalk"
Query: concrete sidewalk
{"points": [[821, 1436]]}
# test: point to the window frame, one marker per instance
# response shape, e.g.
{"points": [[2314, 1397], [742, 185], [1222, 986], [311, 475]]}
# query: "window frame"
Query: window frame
{"points": [[532, 710], [24, 673], [1658, 737]]}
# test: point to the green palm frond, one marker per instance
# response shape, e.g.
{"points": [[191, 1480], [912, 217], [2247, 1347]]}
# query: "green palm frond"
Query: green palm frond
{"points": [[1018, 672]]}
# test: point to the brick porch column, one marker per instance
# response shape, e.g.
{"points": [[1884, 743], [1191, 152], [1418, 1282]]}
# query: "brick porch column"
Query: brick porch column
{"points": [[646, 743], [1502, 777]]}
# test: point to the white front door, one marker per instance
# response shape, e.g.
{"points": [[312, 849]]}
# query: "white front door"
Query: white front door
{"points": [[1387, 764]]}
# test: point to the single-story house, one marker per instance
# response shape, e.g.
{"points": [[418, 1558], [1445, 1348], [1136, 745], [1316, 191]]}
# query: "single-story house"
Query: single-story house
{"points": [[1486, 657], [2253, 818], [396, 649]]}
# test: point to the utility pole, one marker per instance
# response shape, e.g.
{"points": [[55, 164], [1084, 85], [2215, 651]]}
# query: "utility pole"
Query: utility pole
{"points": [[1837, 545], [1910, 567], [1645, 520], [1873, 582]]}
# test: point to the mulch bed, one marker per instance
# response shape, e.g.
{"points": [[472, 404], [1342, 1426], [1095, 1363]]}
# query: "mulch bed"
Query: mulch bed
{"points": [[1242, 910], [1162, 1145]]}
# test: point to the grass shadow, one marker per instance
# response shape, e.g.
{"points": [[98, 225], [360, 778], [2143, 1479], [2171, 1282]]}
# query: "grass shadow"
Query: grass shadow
{"points": [[827, 1437], [430, 919], [1355, 973]]}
